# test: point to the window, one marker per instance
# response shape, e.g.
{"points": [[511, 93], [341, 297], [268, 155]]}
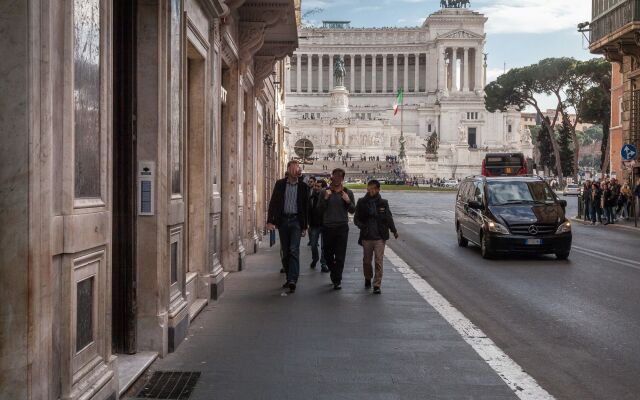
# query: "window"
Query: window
{"points": [[429, 128], [84, 313], [174, 262], [509, 128], [478, 194], [471, 134], [369, 116]]}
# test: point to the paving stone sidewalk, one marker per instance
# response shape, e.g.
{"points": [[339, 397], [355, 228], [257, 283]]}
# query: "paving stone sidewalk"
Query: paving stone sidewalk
{"points": [[255, 343]]}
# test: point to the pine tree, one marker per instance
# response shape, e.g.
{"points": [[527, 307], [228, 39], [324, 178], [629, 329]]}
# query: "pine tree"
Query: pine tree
{"points": [[566, 150]]}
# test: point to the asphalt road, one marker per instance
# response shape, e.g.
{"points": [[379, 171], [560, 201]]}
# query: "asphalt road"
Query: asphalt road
{"points": [[573, 325]]}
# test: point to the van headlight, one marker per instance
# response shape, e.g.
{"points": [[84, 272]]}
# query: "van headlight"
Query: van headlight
{"points": [[497, 228], [564, 227]]}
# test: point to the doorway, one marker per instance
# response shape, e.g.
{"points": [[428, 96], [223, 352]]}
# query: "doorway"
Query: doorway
{"points": [[124, 275]]}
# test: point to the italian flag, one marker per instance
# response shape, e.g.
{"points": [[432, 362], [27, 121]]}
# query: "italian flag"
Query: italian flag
{"points": [[398, 102]]}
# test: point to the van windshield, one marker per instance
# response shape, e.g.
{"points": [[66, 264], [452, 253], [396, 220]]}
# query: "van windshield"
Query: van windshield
{"points": [[519, 192]]}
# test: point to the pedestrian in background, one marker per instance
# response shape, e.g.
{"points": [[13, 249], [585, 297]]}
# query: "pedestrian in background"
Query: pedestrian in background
{"points": [[608, 202], [586, 200], [374, 219], [596, 197], [315, 225], [288, 209], [336, 205]]}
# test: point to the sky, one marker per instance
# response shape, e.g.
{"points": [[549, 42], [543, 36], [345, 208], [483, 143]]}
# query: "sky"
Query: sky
{"points": [[519, 32]]}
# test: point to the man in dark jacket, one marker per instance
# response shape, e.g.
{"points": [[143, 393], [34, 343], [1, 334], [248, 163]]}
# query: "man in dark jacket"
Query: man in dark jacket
{"points": [[375, 220], [288, 210], [315, 225], [336, 204]]}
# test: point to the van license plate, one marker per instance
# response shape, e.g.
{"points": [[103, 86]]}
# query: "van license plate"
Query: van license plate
{"points": [[533, 242]]}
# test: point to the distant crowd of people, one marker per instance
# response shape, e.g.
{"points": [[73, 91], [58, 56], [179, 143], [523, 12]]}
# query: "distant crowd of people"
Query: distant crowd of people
{"points": [[322, 208], [605, 201]]}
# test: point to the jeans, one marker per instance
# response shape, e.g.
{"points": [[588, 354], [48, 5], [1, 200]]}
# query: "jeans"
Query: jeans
{"points": [[290, 234], [596, 211], [609, 214], [335, 240], [315, 233], [587, 210]]}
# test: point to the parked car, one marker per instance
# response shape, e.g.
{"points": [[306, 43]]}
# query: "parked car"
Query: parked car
{"points": [[450, 183], [512, 214], [572, 189]]}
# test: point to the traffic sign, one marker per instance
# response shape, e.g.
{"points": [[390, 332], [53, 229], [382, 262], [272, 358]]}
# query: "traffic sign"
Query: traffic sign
{"points": [[628, 152]]}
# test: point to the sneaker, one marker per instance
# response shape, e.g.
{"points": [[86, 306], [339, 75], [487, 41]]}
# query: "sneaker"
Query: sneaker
{"points": [[285, 285], [376, 290], [367, 283], [292, 287], [324, 269], [337, 286]]}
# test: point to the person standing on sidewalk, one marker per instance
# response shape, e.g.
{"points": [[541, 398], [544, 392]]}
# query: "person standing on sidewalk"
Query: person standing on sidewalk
{"points": [[336, 205], [288, 209], [315, 225], [374, 219]]}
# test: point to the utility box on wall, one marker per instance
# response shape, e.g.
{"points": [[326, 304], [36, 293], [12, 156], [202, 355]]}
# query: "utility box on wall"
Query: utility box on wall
{"points": [[146, 186]]}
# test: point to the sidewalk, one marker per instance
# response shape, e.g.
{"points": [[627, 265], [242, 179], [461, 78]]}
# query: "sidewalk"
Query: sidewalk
{"points": [[620, 223], [255, 343]]}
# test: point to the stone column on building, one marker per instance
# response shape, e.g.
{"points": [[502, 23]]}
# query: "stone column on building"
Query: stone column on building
{"points": [[352, 73], [395, 73], [478, 84], [320, 71], [441, 64], [426, 72], [330, 72], [405, 78], [374, 61], [287, 76], [309, 73], [416, 83], [465, 71], [454, 69], [299, 72], [384, 73], [363, 69]]}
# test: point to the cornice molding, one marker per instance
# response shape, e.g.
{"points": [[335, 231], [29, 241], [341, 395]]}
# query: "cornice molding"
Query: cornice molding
{"points": [[251, 38]]}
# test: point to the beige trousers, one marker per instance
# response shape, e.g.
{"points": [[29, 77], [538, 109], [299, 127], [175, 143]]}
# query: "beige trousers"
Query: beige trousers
{"points": [[371, 248]]}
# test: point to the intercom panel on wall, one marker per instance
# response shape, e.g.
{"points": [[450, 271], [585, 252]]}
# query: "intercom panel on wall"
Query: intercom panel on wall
{"points": [[146, 187]]}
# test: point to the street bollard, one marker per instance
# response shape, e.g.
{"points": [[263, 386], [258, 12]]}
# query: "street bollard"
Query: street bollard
{"points": [[580, 206]]}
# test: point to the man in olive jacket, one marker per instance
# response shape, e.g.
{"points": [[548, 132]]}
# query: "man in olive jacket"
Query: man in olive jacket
{"points": [[374, 219], [288, 211]]}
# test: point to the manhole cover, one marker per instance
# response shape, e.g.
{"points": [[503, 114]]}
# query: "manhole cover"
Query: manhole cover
{"points": [[170, 385]]}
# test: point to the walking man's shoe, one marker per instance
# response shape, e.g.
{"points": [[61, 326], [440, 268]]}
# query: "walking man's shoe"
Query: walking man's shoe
{"points": [[312, 266], [285, 285], [324, 269], [337, 286], [367, 283], [376, 290], [292, 287]]}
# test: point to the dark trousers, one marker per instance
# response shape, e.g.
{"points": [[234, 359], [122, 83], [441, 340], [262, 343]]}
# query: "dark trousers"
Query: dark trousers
{"points": [[290, 234], [587, 210], [596, 211], [335, 249], [315, 233]]}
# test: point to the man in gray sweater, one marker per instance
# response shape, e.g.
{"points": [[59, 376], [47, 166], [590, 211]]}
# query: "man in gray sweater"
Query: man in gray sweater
{"points": [[336, 205]]}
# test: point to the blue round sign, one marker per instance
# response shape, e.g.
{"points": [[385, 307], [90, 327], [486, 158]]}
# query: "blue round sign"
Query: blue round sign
{"points": [[628, 152]]}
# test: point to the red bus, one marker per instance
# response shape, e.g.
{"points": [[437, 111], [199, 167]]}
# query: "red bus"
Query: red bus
{"points": [[504, 164]]}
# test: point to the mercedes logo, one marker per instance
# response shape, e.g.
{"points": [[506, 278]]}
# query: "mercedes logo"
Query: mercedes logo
{"points": [[533, 230]]}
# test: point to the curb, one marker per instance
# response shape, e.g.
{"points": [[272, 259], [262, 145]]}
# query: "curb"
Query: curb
{"points": [[617, 226]]}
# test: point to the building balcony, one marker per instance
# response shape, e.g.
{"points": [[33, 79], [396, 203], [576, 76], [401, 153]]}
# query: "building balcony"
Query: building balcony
{"points": [[613, 25]]}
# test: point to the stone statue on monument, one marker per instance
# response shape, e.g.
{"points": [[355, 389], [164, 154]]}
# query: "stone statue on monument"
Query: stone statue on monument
{"points": [[462, 135], [432, 144], [339, 71]]}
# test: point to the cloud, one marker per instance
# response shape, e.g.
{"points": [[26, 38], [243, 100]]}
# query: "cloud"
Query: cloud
{"points": [[494, 73], [534, 16]]}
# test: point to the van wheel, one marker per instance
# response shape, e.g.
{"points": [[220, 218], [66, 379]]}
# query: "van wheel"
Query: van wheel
{"points": [[484, 247], [462, 241], [563, 255]]}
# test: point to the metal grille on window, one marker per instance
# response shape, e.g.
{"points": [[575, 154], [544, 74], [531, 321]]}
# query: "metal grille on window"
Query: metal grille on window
{"points": [[634, 126]]}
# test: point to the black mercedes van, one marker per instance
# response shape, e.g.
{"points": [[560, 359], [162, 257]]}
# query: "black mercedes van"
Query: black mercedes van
{"points": [[515, 214]]}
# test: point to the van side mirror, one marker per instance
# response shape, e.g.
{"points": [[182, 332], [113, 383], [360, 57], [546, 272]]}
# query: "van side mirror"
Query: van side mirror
{"points": [[476, 205], [563, 203]]}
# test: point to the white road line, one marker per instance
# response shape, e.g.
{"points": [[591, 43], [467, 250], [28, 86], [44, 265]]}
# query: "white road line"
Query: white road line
{"points": [[522, 384], [608, 257]]}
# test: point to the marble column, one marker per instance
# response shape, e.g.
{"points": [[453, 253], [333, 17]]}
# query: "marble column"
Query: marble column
{"points": [[299, 72], [363, 69], [405, 79], [465, 71], [395, 73], [426, 72], [320, 73], [309, 71], [352, 73], [416, 83], [478, 84], [454, 69], [384, 73], [441, 64], [374, 60], [330, 71], [287, 76]]}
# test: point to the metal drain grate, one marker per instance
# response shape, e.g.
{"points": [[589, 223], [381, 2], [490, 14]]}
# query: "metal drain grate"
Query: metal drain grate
{"points": [[170, 385]]}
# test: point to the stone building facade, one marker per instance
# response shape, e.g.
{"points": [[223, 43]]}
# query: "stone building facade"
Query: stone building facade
{"points": [[138, 142], [615, 33], [440, 67]]}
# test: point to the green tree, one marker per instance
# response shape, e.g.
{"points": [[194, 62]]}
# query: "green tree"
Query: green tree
{"points": [[567, 146]]}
